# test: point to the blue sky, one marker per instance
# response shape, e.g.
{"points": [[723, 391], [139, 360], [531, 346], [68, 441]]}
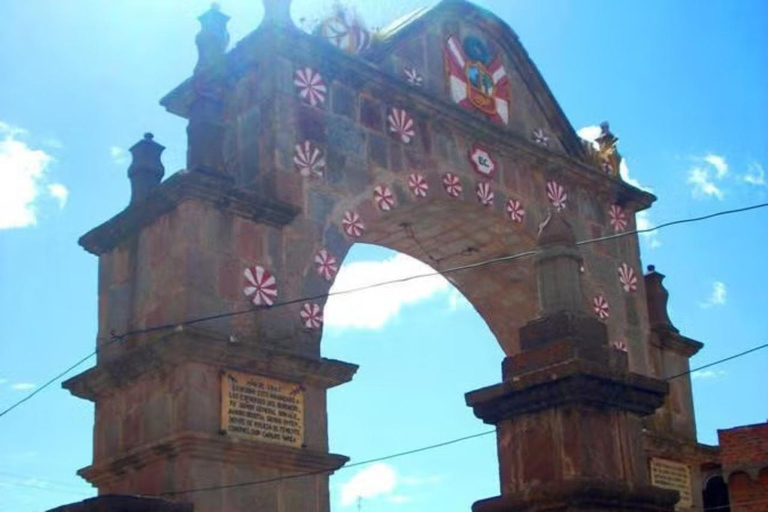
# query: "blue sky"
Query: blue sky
{"points": [[683, 84]]}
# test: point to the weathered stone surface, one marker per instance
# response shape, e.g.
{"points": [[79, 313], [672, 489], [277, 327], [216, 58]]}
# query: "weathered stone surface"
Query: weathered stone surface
{"points": [[115, 503], [181, 254]]}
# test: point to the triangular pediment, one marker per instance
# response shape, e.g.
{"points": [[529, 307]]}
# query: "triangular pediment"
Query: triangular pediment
{"points": [[466, 55]]}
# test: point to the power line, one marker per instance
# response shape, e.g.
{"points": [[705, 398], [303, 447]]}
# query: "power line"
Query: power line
{"points": [[754, 349], [48, 383], [450, 270], [459, 268], [409, 452], [322, 471]]}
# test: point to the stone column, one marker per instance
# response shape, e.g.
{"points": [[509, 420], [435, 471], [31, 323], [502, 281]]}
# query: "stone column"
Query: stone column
{"points": [[205, 131], [568, 411]]}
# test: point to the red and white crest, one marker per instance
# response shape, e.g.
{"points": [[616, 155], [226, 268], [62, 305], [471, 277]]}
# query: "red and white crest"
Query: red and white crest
{"points": [[452, 184], [618, 218], [311, 315], [475, 86], [556, 195], [627, 278], [401, 124], [260, 286], [600, 307], [384, 198], [418, 185], [352, 224], [515, 210], [482, 162], [485, 194], [308, 159], [326, 264], [311, 87]]}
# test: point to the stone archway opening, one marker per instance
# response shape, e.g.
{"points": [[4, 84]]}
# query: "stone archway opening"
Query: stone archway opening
{"points": [[420, 346]]}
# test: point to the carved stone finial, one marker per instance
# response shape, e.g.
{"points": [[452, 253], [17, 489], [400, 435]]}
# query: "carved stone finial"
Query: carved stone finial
{"points": [[213, 38], [277, 12], [557, 267], [657, 297], [146, 170], [608, 156]]}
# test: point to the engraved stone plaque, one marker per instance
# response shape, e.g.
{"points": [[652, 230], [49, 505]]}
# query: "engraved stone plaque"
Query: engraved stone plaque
{"points": [[262, 409]]}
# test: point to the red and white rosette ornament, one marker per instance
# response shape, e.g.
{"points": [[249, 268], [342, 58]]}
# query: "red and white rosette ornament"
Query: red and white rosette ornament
{"points": [[601, 308], [260, 286], [620, 345], [556, 195], [515, 210], [326, 264], [310, 85], [418, 185], [452, 184], [308, 159], [412, 76], [617, 218], [627, 278], [383, 197], [401, 124], [352, 224], [311, 315], [484, 194]]}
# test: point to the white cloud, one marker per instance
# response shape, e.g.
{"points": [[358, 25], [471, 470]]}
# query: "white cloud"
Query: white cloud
{"points": [[399, 499], [755, 174], [719, 163], [378, 479], [643, 220], [59, 192], [22, 170], [589, 133], [717, 296], [119, 155], [456, 300], [707, 374], [703, 186], [624, 173], [372, 309], [23, 386]]}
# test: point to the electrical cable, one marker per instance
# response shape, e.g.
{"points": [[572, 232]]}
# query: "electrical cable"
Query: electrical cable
{"points": [[321, 471], [511, 257], [409, 452], [449, 270]]}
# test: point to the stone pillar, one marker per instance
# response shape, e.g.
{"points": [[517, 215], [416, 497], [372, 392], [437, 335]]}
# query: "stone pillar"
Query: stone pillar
{"points": [[146, 170], [205, 131], [568, 411]]}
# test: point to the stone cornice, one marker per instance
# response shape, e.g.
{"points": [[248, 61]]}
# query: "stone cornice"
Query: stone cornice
{"points": [[297, 45], [572, 383], [668, 339], [214, 448], [214, 188], [658, 445], [582, 495], [182, 347]]}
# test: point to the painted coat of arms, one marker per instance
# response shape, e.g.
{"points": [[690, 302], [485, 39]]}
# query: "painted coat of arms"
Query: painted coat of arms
{"points": [[476, 80]]}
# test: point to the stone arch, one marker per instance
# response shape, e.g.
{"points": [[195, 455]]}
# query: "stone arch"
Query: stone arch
{"points": [[272, 169]]}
